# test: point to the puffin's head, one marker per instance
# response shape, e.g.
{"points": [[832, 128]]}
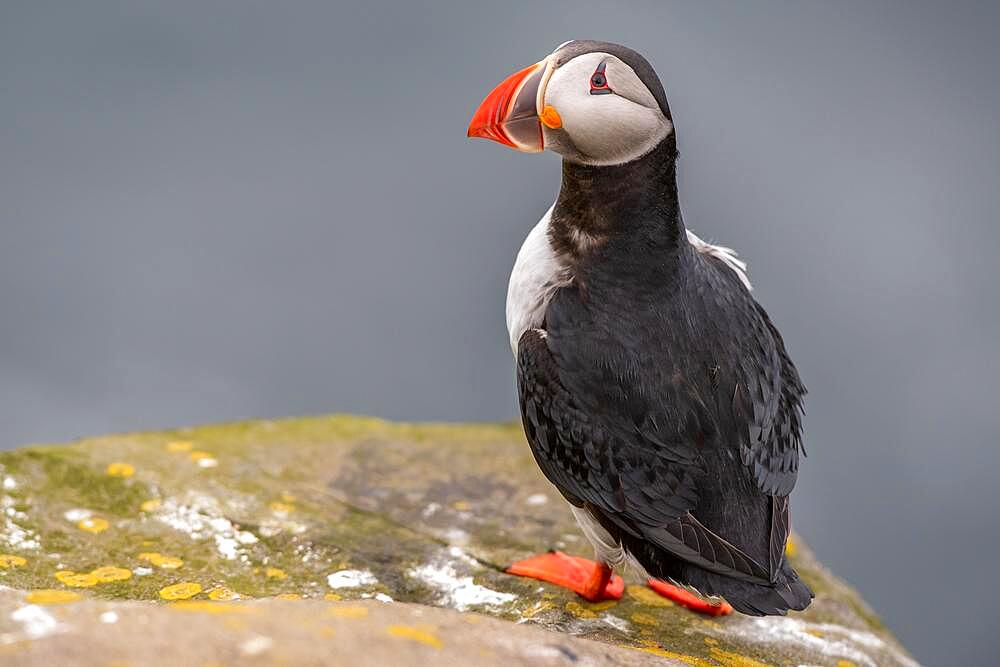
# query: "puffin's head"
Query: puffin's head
{"points": [[594, 103]]}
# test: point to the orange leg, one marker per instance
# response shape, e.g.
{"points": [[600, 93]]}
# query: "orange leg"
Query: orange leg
{"points": [[592, 580], [688, 599]]}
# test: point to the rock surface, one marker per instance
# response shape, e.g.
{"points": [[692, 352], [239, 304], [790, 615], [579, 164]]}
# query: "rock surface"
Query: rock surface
{"points": [[344, 540]]}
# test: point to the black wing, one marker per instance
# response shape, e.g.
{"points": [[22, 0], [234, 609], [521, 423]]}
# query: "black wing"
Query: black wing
{"points": [[774, 414], [641, 477], [623, 421]]}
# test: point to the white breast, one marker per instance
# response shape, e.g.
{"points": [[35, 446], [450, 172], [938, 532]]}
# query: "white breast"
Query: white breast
{"points": [[536, 276]]}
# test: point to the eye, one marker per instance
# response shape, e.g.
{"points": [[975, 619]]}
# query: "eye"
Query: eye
{"points": [[599, 81]]}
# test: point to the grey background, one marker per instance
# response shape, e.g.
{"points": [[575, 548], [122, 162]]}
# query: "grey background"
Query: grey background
{"points": [[220, 210]]}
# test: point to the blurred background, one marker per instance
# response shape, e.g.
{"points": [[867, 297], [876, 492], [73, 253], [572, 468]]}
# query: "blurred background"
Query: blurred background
{"points": [[217, 210]]}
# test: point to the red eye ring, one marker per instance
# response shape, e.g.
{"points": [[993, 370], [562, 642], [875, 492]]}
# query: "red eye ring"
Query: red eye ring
{"points": [[599, 81]]}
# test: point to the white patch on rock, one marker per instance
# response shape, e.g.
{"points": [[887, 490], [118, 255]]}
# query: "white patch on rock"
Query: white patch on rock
{"points": [[201, 517], [537, 499], [207, 463], [256, 645], [11, 532], [142, 571], [9, 483], [833, 641], [279, 523], [35, 622], [77, 514], [430, 510], [108, 617], [615, 622], [228, 547], [458, 591], [351, 579], [456, 536], [246, 537]]}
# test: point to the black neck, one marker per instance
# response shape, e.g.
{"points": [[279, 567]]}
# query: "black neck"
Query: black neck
{"points": [[627, 204]]}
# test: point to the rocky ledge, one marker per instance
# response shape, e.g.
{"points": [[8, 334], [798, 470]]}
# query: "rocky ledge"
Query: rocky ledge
{"points": [[344, 540]]}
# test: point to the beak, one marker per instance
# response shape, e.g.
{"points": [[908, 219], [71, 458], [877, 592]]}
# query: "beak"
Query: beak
{"points": [[509, 115]]}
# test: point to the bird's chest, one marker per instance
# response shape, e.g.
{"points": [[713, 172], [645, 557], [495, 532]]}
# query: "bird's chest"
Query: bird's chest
{"points": [[538, 273]]}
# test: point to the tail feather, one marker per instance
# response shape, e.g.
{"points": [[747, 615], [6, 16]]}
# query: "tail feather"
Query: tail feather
{"points": [[788, 592]]}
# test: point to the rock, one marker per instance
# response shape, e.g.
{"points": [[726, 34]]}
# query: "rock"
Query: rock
{"points": [[373, 541], [306, 632]]}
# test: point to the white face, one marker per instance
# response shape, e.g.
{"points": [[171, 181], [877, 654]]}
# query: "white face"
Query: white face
{"points": [[601, 126]]}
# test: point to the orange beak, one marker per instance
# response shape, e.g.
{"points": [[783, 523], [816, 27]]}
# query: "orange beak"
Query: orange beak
{"points": [[509, 114]]}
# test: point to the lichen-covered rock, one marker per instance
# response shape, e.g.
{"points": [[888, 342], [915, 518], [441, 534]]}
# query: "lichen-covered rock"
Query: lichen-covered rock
{"points": [[266, 525]]}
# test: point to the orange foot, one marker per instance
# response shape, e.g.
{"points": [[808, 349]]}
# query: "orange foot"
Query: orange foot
{"points": [[590, 579], [688, 599]]}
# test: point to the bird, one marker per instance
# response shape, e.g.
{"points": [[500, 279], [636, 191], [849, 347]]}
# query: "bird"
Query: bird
{"points": [[655, 392]]}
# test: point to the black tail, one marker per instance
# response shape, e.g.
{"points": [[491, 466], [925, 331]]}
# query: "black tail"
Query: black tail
{"points": [[788, 592]]}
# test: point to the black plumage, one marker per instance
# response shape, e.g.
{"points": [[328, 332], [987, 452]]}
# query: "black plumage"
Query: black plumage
{"points": [[658, 395]]}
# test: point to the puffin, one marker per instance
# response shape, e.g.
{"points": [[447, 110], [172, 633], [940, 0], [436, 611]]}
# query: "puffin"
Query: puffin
{"points": [[655, 393]]}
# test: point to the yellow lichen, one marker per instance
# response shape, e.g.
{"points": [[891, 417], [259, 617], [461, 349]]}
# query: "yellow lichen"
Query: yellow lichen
{"points": [[790, 547], [93, 525], [332, 596], [729, 659], [537, 608], [150, 505], [223, 594], [288, 498], [711, 641], [326, 632], [281, 508], [161, 561], [179, 446], [648, 597], [461, 505], [288, 596], [199, 455], [119, 469], [75, 579], [168, 562], [275, 573], [51, 596], [644, 619], [846, 663], [686, 659], [181, 591], [414, 634], [8, 561], [109, 573], [348, 611], [579, 610]]}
